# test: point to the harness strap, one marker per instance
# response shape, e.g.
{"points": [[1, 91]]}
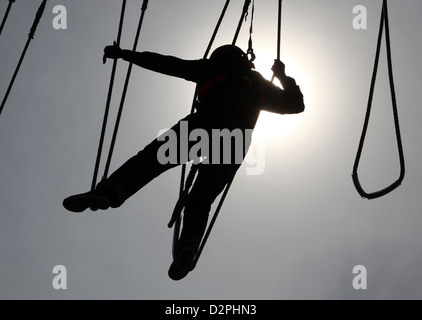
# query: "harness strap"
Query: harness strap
{"points": [[208, 86]]}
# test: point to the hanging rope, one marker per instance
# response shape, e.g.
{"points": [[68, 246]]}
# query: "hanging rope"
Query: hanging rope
{"points": [[216, 29], [394, 185], [126, 85], [31, 36], [280, 8], [176, 217], [6, 14], [214, 218], [242, 17], [194, 101], [250, 52], [229, 183], [183, 196], [109, 95], [184, 191]]}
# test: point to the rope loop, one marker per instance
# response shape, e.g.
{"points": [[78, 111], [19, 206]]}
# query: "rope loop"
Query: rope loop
{"points": [[355, 178]]}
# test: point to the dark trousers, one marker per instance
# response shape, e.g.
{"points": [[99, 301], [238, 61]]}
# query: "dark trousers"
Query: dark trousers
{"points": [[211, 178]]}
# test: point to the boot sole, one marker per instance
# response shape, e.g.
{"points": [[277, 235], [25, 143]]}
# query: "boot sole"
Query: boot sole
{"points": [[80, 202]]}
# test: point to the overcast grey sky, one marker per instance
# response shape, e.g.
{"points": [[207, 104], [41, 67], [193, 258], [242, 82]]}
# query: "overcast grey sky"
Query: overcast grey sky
{"points": [[294, 232]]}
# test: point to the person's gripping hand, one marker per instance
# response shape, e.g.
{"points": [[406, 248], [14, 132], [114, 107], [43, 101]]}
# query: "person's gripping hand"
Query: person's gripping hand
{"points": [[112, 52], [279, 69]]}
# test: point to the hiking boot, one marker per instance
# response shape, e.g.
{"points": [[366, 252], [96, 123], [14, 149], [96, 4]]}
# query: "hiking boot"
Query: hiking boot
{"points": [[92, 199], [182, 263], [186, 251]]}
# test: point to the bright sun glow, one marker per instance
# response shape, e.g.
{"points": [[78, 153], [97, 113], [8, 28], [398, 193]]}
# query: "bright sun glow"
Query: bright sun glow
{"points": [[273, 126]]}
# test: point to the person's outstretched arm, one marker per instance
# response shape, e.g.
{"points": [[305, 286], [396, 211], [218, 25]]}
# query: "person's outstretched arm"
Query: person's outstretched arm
{"points": [[168, 65], [287, 101]]}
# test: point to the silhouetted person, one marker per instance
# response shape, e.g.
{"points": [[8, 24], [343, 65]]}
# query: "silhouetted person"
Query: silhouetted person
{"points": [[231, 96]]}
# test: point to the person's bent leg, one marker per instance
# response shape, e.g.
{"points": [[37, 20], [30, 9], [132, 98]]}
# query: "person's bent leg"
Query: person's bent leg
{"points": [[210, 182], [139, 170], [134, 174], [124, 182]]}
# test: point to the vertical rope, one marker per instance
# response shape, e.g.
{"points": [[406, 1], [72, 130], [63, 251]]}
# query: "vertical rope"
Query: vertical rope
{"points": [[31, 36], [107, 107], [250, 45], [393, 96], [280, 8], [229, 183], [242, 18], [126, 85], [214, 219], [216, 29], [279, 32], [178, 210]]}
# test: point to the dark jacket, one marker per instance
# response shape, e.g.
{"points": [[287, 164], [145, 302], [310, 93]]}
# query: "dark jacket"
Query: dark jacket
{"points": [[230, 85]]}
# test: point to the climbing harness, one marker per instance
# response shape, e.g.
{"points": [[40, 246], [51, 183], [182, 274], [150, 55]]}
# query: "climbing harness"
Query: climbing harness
{"points": [[394, 185], [31, 36], [214, 82], [6, 14], [122, 100]]}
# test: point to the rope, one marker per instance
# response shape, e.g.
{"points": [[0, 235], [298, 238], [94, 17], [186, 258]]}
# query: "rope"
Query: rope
{"points": [[207, 51], [242, 17], [183, 196], [394, 185], [181, 202], [178, 210], [122, 101], [279, 32], [280, 8], [6, 14], [179, 205], [217, 28], [214, 219], [229, 183], [107, 107], [250, 45], [31, 36]]}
